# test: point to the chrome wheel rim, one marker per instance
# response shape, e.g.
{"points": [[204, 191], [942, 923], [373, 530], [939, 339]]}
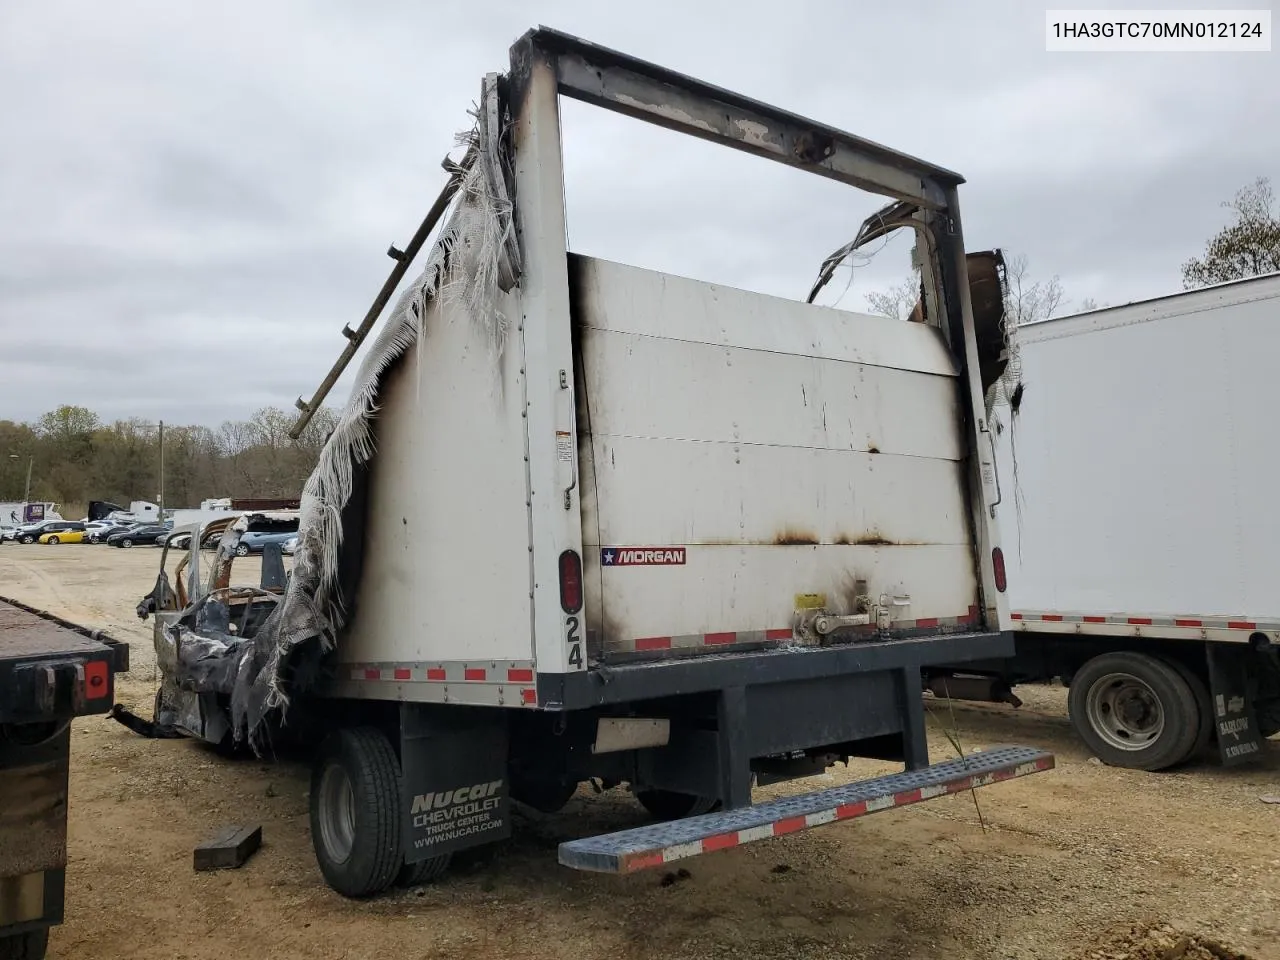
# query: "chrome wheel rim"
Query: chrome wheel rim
{"points": [[1125, 712]]}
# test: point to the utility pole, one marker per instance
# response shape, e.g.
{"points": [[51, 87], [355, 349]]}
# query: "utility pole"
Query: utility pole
{"points": [[160, 519], [26, 492]]}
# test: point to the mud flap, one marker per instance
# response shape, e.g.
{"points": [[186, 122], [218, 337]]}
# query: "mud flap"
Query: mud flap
{"points": [[1236, 726], [456, 789]]}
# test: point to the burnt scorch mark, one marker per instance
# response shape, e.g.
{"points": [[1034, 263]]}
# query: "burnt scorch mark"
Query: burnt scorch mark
{"points": [[790, 537]]}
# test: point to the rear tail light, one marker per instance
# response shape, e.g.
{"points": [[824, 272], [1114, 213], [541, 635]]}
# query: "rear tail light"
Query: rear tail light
{"points": [[997, 564], [97, 679], [570, 581]]}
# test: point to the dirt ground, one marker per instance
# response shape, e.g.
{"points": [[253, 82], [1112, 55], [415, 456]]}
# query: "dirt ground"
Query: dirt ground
{"points": [[1080, 862]]}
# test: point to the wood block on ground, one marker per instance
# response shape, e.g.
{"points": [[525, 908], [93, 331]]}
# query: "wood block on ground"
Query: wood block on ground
{"points": [[230, 848]]}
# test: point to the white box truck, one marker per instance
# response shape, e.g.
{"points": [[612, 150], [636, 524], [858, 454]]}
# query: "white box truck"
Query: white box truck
{"points": [[583, 521], [1138, 465]]}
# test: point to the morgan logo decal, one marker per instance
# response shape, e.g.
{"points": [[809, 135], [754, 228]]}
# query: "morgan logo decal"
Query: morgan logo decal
{"points": [[642, 556]]}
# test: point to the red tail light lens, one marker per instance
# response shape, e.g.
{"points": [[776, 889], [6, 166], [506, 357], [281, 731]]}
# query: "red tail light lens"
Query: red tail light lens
{"points": [[570, 581], [97, 679], [997, 564]]}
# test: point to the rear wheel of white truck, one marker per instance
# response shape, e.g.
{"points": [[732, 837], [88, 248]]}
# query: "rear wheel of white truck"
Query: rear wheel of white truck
{"points": [[1134, 711], [1204, 704], [669, 805], [355, 812]]}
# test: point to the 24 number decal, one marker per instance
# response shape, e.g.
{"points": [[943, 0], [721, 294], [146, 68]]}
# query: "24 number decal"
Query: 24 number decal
{"points": [[574, 640]]}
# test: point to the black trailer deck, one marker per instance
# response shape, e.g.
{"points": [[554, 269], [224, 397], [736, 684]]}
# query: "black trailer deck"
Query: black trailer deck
{"points": [[51, 671]]}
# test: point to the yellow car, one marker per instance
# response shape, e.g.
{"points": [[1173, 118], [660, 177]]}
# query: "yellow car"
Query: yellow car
{"points": [[64, 536]]}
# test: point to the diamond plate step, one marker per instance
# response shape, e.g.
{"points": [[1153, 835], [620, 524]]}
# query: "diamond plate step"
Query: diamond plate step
{"points": [[643, 848]]}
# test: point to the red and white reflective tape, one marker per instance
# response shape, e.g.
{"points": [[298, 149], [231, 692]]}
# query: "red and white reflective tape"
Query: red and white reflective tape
{"points": [[499, 674], [1129, 620], [647, 859], [743, 638], [726, 639]]}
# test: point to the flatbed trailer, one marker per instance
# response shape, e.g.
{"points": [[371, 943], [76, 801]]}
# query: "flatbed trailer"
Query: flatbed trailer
{"points": [[51, 671], [583, 521]]}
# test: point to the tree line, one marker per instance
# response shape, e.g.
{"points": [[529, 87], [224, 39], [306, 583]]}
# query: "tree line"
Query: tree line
{"points": [[76, 457]]}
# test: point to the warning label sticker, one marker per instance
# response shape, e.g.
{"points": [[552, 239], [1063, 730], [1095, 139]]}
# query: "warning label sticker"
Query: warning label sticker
{"points": [[564, 446], [642, 556]]}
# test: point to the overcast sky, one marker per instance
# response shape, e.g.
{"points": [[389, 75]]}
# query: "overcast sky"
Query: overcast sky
{"points": [[194, 198]]}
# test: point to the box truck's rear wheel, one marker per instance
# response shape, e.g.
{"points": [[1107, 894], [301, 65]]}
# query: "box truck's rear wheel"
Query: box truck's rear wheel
{"points": [[355, 812], [669, 805], [1135, 711]]}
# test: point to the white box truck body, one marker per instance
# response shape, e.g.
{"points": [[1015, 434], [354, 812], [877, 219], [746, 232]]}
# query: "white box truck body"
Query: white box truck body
{"points": [[730, 452], [1138, 467], [583, 521]]}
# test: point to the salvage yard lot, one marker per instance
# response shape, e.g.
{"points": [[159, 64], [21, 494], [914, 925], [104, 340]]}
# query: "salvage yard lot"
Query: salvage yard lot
{"points": [[1082, 861]]}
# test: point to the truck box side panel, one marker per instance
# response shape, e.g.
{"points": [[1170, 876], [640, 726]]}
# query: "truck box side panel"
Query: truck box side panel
{"points": [[785, 449], [1146, 457], [446, 563]]}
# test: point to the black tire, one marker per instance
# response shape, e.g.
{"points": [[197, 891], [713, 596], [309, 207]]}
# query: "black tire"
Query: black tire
{"points": [[669, 805], [424, 871], [54, 539], [1134, 711], [26, 539], [1266, 702], [1204, 705], [25, 946], [359, 848], [1268, 714], [242, 550], [126, 543]]}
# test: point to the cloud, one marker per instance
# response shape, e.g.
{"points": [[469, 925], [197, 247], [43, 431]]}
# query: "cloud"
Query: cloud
{"points": [[212, 188]]}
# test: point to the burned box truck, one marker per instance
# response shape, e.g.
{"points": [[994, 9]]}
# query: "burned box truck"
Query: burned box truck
{"points": [[583, 521]]}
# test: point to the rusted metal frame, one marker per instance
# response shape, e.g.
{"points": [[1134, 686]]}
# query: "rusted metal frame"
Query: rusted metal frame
{"points": [[637, 88], [957, 308], [404, 259]]}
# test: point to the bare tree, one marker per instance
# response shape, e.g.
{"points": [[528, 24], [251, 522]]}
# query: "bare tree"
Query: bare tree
{"points": [[1247, 247], [898, 301], [1027, 300]]}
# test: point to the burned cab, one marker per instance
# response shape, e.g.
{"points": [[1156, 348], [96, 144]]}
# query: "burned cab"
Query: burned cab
{"points": [[206, 615]]}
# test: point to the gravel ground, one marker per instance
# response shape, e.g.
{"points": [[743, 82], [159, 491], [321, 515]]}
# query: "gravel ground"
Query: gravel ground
{"points": [[1084, 862]]}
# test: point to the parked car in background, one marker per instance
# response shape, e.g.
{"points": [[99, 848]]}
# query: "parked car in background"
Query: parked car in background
{"points": [[182, 540], [113, 527], [69, 535], [253, 541], [145, 534], [32, 532], [290, 546]]}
